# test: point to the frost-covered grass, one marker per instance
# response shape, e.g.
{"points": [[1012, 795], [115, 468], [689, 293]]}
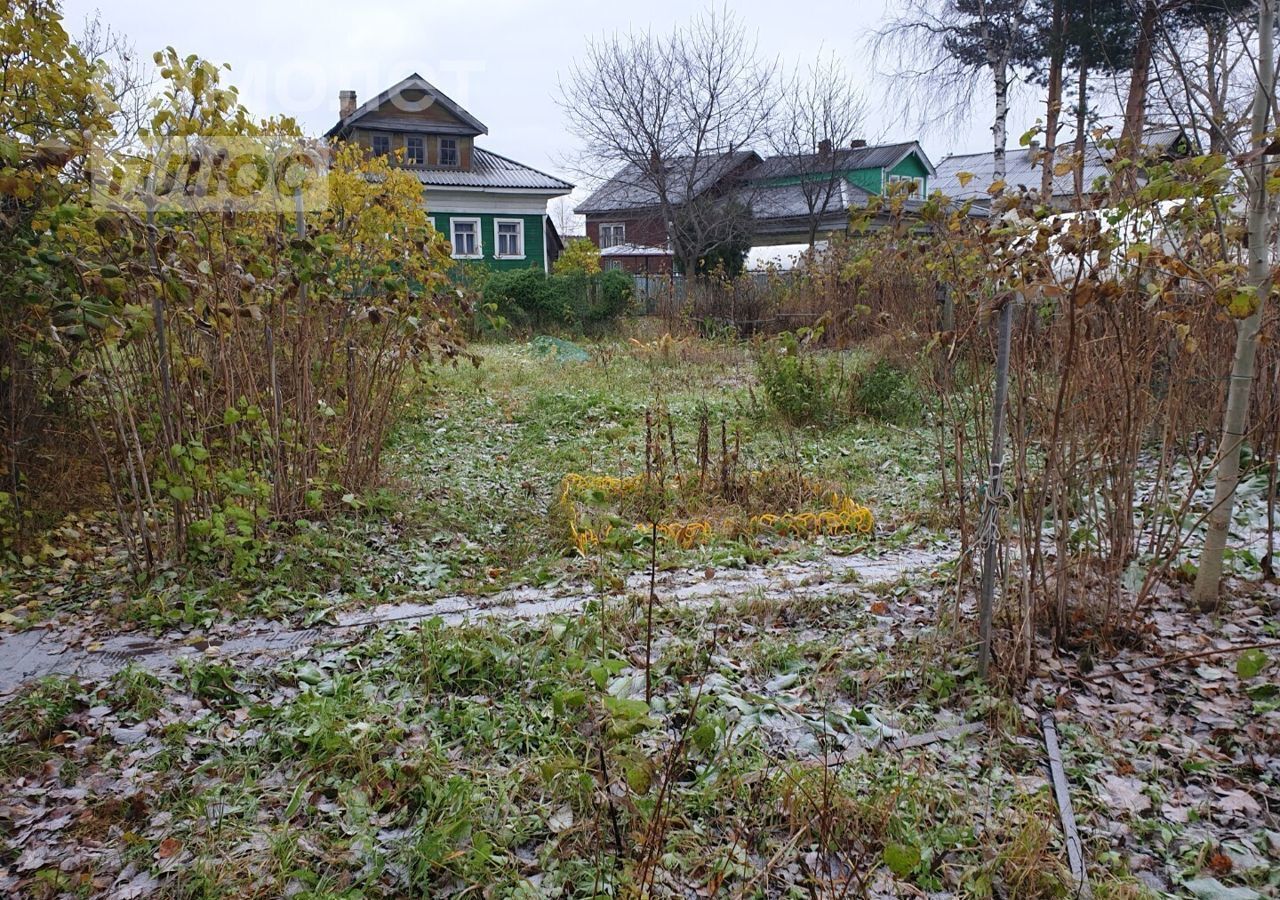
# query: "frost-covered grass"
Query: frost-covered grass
{"points": [[485, 451], [524, 760], [470, 474]]}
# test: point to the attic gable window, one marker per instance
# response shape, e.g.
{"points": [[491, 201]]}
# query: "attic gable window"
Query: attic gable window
{"points": [[915, 191], [415, 153], [381, 145], [448, 151]]}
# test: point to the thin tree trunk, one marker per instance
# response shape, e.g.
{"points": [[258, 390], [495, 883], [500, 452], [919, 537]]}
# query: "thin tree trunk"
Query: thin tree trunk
{"points": [[1053, 106], [1135, 107], [990, 537], [1273, 426], [1209, 574], [1082, 116]]}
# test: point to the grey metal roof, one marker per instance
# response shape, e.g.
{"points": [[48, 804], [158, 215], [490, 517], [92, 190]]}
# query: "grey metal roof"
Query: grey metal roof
{"points": [[881, 156], [789, 201], [413, 82], [687, 177], [780, 209], [490, 170], [1022, 166], [1171, 141]]}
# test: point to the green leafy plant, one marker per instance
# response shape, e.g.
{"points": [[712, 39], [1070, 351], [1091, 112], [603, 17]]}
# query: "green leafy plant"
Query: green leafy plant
{"points": [[887, 393], [800, 386], [528, 298], [41, 711]]}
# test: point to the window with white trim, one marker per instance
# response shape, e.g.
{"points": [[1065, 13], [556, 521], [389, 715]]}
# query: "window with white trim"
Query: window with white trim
{"points": [[465, 236], [508, 238], [415, 153], [613, 265], [916, 191], [448, 151], [381, 145], [612, 235]]}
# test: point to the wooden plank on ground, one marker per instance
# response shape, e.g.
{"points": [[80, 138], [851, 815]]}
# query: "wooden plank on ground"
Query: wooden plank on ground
{"points": [[911, 741], [1062, 793]]}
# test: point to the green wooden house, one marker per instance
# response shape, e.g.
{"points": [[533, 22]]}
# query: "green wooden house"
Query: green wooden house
{"points": [[791, 198], [492, 209], [791, 194]]}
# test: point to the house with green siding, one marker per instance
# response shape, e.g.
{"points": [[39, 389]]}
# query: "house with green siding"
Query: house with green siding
{"points": [[492, 209], [794, 198]]}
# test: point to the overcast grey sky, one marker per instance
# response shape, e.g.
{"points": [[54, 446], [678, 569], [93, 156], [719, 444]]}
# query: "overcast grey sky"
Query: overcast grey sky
{"points": [[501, 59]]}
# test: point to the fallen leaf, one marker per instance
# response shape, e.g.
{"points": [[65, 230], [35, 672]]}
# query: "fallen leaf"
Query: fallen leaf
{"points": [[1126, 793], [561, 819], [1239, 803], [1213, 889]]}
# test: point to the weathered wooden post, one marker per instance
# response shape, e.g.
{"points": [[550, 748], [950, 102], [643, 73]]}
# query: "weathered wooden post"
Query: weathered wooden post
{"points": [[989, 534]]}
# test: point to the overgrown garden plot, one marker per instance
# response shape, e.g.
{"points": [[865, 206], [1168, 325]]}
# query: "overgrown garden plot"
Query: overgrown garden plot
{"points": [[746, 742]]}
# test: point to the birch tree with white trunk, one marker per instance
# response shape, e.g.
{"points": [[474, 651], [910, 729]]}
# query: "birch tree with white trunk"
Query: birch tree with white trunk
{"points": [[1235, 420]]}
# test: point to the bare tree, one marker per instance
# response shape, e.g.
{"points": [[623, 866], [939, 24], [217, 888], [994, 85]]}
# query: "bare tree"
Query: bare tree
{"points": [[1162, 26], [563, 218], [1055, 38], [820, 114], [1209, 571], [676, 114], [126, 80], [1135, 107], [1204, 78], [943, 49]]}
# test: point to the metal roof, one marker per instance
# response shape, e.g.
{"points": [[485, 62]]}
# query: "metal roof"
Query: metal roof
{"points": [[632, 188], [490, 170], [881, 156], [782, 209], [1023, 166], [789, 201]]}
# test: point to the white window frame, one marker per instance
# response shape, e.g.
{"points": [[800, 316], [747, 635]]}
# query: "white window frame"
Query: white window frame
{"points": [[408, 158], [622, 230], [497, 242], [457, 153], [918, 192], [453, 237]]}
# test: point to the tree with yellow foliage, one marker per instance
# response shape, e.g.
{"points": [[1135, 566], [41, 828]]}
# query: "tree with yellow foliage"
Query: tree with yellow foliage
{"points": [[581, 256]]}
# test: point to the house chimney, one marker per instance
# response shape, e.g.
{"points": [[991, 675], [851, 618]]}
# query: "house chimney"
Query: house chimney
{"points": [[857, 144], [824, 147], [346, 103]]}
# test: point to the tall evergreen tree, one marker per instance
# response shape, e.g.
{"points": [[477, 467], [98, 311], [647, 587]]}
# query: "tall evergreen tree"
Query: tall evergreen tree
{"points": [[1084, 37]]}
